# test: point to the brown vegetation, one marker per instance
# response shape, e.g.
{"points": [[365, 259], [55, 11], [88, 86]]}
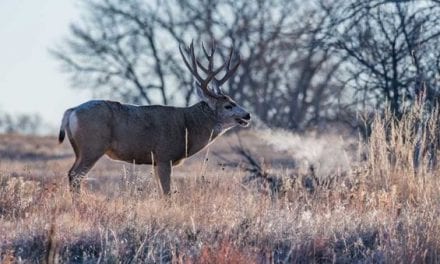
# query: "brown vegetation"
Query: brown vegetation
{"points": [[382, 208]]}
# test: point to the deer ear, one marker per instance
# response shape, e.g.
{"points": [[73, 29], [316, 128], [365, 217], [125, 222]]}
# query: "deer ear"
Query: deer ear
{"points": [[205, 97]]}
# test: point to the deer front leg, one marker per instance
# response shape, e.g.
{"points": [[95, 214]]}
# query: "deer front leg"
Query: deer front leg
{"points": [[163, 172]]}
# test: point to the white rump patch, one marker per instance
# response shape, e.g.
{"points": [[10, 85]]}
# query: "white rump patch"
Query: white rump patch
{"points": [[73, 123]]}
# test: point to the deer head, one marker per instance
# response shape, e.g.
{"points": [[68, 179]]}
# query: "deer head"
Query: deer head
{"points": [[227, 111]]}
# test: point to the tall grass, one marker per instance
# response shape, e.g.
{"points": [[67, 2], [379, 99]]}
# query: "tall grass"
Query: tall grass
{"points": [[379, 209], [402, 153]]}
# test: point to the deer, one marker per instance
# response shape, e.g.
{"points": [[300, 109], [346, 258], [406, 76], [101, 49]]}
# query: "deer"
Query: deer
{"points": [[157, 135]]}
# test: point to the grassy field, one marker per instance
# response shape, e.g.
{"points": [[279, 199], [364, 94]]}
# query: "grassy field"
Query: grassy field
{"points": [[259, 196]]}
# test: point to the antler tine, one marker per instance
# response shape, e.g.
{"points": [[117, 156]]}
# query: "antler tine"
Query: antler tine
{"points": [[211, 62], [205, 70], [229, 72], [193, 69], [213, 74], [210, 59], [229, 59], [193, 57], [213, 48], [194, 73], [204, 51]]}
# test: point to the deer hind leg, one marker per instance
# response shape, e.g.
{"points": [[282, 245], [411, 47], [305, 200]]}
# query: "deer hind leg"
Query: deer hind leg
{"points": [[163, 172], [79, 170], [84, 162]]}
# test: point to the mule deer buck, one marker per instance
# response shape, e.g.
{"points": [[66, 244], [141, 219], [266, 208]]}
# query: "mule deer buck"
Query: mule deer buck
{"points": [[162, 136]]}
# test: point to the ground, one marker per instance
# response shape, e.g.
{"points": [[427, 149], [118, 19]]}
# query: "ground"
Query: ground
{"points": [[256, 196]]}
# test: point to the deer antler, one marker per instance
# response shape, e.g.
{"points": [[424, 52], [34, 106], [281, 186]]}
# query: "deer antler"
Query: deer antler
{"points": [[193, 68], [229, 71]]}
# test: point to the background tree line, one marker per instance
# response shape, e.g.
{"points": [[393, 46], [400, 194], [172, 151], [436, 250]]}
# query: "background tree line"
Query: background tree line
{"points": [[302, 64], [21, 123]]}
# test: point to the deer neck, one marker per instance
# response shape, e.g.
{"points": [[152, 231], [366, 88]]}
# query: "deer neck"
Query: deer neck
{"points": [[201, 127]]}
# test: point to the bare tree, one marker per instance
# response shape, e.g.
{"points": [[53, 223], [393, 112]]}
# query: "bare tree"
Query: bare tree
{"points": [[20, 123], [391, 46], [127, 49]]}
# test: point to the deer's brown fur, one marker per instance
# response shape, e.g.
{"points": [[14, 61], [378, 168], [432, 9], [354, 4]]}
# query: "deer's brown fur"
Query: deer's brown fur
{"points": [[159, 135]]}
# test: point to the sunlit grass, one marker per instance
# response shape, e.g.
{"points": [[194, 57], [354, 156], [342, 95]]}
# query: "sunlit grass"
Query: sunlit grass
{"points": [[382, 207]]}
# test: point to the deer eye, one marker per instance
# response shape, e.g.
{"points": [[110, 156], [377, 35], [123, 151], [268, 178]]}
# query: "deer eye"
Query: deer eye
{"points": [[229, 107]]}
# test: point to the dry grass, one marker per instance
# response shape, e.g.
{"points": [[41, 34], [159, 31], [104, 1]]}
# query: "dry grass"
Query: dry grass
{"points": [[381, 208]]}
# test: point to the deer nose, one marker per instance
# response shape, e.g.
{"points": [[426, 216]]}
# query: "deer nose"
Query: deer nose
{"points": [[247, 116]]}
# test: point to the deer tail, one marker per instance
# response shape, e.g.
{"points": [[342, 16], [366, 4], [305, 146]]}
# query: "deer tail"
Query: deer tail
{"points": [[64, 124]]}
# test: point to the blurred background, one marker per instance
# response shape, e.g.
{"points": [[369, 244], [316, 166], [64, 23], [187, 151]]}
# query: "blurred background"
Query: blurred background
{"points": [[33, 91], [304, 65]]}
